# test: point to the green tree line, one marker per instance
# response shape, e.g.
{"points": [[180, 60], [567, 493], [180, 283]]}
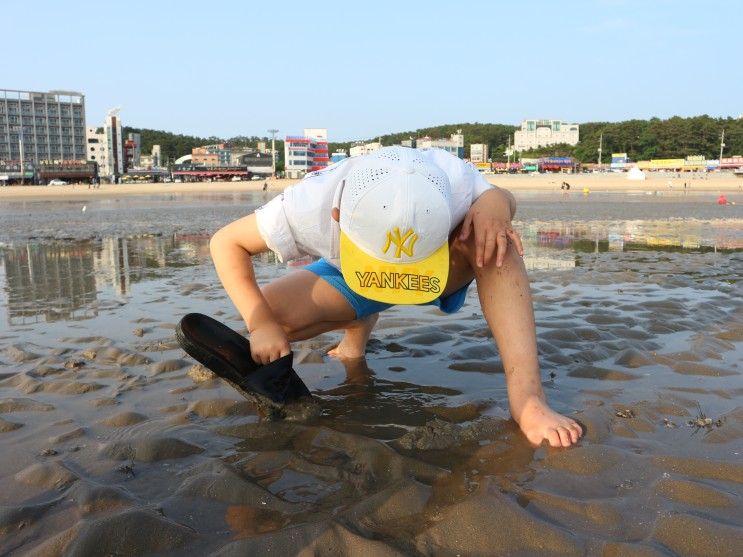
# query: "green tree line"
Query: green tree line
{"points": [[656, 138]]}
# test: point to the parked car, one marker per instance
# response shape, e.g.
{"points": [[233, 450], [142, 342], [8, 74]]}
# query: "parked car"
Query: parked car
{"points": [[56, 182]]}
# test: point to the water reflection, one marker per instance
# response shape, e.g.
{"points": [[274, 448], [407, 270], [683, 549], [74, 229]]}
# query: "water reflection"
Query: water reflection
{"points": [[49, 282], [53, 281], [61, 281], [553, 245]]}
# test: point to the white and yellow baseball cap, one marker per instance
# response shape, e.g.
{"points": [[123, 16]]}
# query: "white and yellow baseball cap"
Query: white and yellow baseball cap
{"points": [[395, 218]]}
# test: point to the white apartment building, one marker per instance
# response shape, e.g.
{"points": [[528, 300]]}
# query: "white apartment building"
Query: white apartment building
{"points": [[542, 133], [97, 148], [106, 147], [455, 144], [478, 152], [365, 149]]}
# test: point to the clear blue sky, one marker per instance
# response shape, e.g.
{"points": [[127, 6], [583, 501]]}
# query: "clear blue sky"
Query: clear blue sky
{"points": [[361, 69]]}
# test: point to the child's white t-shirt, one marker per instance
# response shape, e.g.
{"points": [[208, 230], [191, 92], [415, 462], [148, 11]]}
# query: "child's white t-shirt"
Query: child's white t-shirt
{"points": [[298, 221]]}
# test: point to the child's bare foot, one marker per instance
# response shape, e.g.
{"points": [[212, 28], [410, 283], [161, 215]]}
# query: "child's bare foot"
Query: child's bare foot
{"points": [[538, 422], [353, 344], [347, 351]]}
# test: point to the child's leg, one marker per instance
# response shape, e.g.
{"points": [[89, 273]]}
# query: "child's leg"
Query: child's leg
{"points": [[306, 306], [505, 299], [355, 337]]}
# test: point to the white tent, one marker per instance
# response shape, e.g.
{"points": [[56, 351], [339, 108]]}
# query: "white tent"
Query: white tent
{"points": [[635, 174]]}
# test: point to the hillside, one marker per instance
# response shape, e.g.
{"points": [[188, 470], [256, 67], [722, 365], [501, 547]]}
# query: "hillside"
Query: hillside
{"points": [[640, 139]]}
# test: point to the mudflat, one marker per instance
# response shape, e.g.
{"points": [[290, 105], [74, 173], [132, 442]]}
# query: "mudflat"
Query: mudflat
{"points": [[113, 440]]}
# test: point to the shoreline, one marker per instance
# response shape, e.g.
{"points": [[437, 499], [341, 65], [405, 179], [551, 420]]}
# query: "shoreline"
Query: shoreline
{"points": [[666, 182]]}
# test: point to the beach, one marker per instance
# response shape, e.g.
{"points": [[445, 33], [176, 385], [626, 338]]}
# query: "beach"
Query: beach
{"points": [[662, 182], [114, 441]]}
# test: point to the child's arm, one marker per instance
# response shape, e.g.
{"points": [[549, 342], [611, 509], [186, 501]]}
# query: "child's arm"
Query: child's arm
{"points": [[232, 248], [505, 298]]}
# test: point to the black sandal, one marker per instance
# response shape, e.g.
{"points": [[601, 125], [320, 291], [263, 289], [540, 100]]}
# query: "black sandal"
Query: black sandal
{"points": [[227, 353]]}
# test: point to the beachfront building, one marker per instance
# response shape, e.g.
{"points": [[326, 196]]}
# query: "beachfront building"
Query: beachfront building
{"points": [[338, 156], [219, 154], [306, 153], [543, 133], [132, 151], [454, 145], [365, 148], [104, 146], [479, 152], [97, 149], [151, 161], [40, 128], [114, 145], [258, 162]]}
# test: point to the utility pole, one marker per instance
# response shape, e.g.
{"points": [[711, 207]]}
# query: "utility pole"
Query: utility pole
{"points": [[601, 144], [722, 146], [273, 133]]}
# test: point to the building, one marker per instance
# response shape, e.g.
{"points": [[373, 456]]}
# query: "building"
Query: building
{"points": [[365, 149], [156, 157], [542, 133], [479, 152], [219, 154], [151, 161], [38, 127], [454, 145], [132, 151], [98, 149], [114, 145], [257, 162], [306, 153], [105, 147], [338, 156]]}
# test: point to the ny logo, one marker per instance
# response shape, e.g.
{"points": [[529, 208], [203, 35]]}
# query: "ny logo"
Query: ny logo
{"points": [[394, 237]]}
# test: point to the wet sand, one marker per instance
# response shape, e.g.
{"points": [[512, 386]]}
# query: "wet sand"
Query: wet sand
{"points": [[108, 428]]}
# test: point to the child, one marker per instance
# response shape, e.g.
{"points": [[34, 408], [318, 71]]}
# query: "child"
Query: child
{"points": [[399, 226]]}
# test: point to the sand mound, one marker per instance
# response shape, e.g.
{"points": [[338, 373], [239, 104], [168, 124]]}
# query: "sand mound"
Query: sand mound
{"points": [[167, 366], [50, 475], [150, 449], [124, 419], [132, 532], [6, 426], [692, 535], [320, 539], [228, 487], [23, 405], [221, 407], [469, 528]]}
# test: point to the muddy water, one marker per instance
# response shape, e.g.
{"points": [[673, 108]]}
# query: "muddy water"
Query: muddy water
{"points": [[108, 428]]}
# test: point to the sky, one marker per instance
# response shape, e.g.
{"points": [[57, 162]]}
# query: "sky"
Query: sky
{"points": [[363, 69]]}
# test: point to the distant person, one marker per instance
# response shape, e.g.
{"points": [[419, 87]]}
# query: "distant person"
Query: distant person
{"points": [[399, 226], [265, 186]]}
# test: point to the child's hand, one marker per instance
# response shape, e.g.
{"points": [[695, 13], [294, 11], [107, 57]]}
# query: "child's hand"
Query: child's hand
{"points": [[268, 343], [490, 217]]}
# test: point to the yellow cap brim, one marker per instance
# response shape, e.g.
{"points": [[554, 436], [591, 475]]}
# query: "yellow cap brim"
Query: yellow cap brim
{"points": [[394, 283]]}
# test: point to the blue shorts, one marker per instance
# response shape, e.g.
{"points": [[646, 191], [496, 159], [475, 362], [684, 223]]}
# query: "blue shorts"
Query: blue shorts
{"points": [[364, 306]]}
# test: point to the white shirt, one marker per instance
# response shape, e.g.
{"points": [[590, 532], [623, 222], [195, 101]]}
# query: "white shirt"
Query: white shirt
{"points": [[298, 222]]}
